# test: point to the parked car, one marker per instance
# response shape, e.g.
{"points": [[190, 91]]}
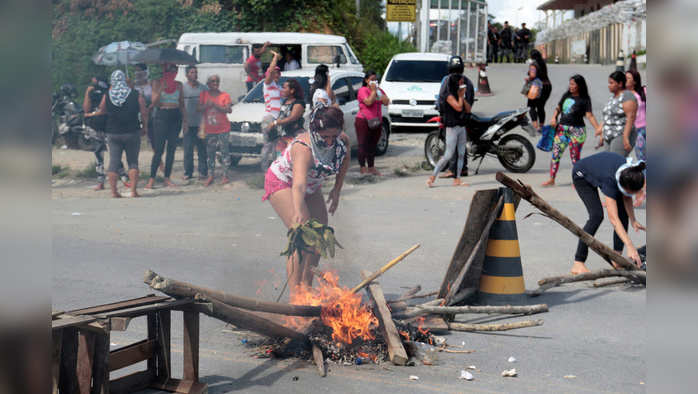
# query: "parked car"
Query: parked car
{"points": [[225, 54], [246, 138], [412, 81]]}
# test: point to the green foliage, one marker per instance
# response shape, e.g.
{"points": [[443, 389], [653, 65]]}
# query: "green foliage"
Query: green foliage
{"points": [[379, 48]]}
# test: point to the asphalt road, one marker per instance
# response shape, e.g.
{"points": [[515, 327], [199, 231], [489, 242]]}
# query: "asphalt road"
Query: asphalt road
{"points": [[226, 238]]}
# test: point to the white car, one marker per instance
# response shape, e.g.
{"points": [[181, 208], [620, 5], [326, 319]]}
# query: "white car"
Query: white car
{"points": [[246, 137], [412, 81]]}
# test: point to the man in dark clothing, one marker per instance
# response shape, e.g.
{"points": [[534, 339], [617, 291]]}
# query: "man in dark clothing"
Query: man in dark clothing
{"points": [[505, 42], [93, 96], [492, 43], [524, 36]]}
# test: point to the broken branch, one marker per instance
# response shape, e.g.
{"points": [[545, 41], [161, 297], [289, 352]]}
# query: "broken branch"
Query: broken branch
{"points": [[494, 327], [384, 268]]}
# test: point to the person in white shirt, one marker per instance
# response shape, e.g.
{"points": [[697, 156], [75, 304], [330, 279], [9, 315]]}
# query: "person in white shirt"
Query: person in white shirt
{"points": [[321, 90], [272, 103], [290, 63]]}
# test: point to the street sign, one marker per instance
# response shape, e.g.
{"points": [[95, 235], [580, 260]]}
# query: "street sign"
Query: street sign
{"points": [[401, 10]]}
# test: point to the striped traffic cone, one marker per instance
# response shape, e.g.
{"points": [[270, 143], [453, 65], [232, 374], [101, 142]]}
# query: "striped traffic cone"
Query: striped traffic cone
{"points": [[501, 281]]}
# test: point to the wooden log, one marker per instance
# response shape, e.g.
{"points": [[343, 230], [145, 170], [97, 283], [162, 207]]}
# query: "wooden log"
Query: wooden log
{"points": [[410, 292], [506, 309], [493, 327], [476, 252], [555, 281], [396, 352], [483, 201], [415, 312], [246, 320], [611, 282], [319, 361], [384, 268], [527, 193], [176, 288], [412, 297]]}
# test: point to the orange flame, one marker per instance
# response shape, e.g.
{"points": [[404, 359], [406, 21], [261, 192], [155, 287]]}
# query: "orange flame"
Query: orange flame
{"points": [[420, 326], [342, 310]]}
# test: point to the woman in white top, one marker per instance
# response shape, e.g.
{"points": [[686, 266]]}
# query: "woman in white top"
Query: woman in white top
{"points": [[321, 90]]}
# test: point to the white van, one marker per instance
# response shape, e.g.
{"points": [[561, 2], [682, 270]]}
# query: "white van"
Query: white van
{"points": [[225, 54]]}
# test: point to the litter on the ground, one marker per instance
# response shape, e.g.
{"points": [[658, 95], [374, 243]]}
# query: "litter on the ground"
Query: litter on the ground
{"points": [[512, 359], [509, 373], [414, 377], [465, 375]]}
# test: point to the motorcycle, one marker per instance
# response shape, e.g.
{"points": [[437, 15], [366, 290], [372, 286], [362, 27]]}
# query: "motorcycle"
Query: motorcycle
{"points": [[489, 136], [68, 121]]}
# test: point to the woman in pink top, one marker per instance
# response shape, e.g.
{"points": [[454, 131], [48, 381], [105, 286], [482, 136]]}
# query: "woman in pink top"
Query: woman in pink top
{"points": [[633, 82], [293, 183], [368, 123]]}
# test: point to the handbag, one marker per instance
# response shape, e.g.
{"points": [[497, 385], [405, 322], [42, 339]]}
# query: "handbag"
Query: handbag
{"points": [[373, 123], [546, 139], [525, 88]]}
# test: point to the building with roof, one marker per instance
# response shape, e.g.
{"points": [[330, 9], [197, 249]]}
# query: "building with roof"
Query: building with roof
{"points": [[598, 31]]}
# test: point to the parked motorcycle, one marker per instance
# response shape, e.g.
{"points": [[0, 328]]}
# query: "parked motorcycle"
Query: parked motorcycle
{"points": [[68, 121], [489, 136]]}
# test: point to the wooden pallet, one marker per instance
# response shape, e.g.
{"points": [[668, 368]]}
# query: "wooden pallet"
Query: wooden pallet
{"points": [[83, 361]]}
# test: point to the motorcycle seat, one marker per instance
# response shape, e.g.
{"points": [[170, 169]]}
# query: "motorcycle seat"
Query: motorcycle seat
{"points": [[489, 119]]}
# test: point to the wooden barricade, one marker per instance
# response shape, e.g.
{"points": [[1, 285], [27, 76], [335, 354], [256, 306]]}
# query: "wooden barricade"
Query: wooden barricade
{"points": [[82, 359]]}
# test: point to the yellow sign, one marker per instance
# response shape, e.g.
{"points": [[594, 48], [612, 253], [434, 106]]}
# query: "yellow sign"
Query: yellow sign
{"points": [[401, 10]]}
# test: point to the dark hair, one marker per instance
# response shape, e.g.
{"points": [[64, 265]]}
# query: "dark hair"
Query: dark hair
{"points": [[141, 66], [297, 88], [542, 67], [189, 67], [454, 83], [638, 84], [367, 76], [537, 67], [619, 77], [581, 88], [319, 79], [326, 118], [632, 179]]}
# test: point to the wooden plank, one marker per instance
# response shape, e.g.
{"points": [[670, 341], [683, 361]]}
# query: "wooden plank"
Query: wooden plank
{"points": [[435, 324], [153, 336], [483, 201], [142, 310], [65, 321], [149, 299], [68, 381], [131, 354], [181, 386], [396, 351], [86, 347], [119, 323], [57, 338], [319, 361], [163, 353], [191, 346], [130, 383], [100, 371]]}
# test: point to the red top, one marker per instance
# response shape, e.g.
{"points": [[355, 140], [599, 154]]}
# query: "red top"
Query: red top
{"points": [[216, 122], [254, 69], [369, 111]]}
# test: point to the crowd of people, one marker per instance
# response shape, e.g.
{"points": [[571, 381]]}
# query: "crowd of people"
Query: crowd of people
{"points": [[508, 43]]}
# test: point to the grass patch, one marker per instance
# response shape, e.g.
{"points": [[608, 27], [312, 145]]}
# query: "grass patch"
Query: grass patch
{"points": [[89, 171], [60, 171], [255, 181]]}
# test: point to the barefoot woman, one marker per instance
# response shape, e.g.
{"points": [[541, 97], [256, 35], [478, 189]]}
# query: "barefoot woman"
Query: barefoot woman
{"points": [[294, 180], [619, 181]]}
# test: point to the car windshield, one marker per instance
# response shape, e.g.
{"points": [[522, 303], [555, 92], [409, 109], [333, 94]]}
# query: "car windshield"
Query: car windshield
{"points": [[256, 95], [416, 71]]}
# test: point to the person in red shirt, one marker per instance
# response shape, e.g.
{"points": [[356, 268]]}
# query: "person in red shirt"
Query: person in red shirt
{"points": [[214, 105], [253, 65]]}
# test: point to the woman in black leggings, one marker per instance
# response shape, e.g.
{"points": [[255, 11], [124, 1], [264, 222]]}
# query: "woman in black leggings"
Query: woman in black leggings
{"points": [[619, 181], [538, 105]]}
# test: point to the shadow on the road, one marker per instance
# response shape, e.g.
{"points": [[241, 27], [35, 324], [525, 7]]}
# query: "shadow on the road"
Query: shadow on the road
{"points": [[257, 376], [553, 298]]}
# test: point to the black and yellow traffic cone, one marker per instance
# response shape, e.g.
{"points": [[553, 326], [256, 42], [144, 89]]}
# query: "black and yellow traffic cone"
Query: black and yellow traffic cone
{"points": [[483, 84], [501, 281]]}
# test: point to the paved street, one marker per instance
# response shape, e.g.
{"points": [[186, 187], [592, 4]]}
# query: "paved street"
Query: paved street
{"points": [[226, 238]]}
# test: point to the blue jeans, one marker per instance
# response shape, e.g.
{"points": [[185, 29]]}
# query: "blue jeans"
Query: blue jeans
{"points": [[190, 141]]}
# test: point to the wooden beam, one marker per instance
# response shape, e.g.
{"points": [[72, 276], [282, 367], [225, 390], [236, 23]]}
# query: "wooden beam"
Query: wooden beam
{"points": [[57, 338], [100, 371], [191, 346], [71, 321], [168, 304], [68, 382], [162, 353], [131, 354], [475, 255], [86, 347], [148, 299], [246, 320], [527, 193], [396, 351], [180, 289], [483, 202]]}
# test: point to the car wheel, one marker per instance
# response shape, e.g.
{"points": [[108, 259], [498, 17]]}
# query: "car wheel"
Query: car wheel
{"points": [[384, 140]]}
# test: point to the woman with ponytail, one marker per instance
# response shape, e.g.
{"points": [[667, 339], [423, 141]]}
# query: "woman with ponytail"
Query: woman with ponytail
{"points": [[618, 180]]}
